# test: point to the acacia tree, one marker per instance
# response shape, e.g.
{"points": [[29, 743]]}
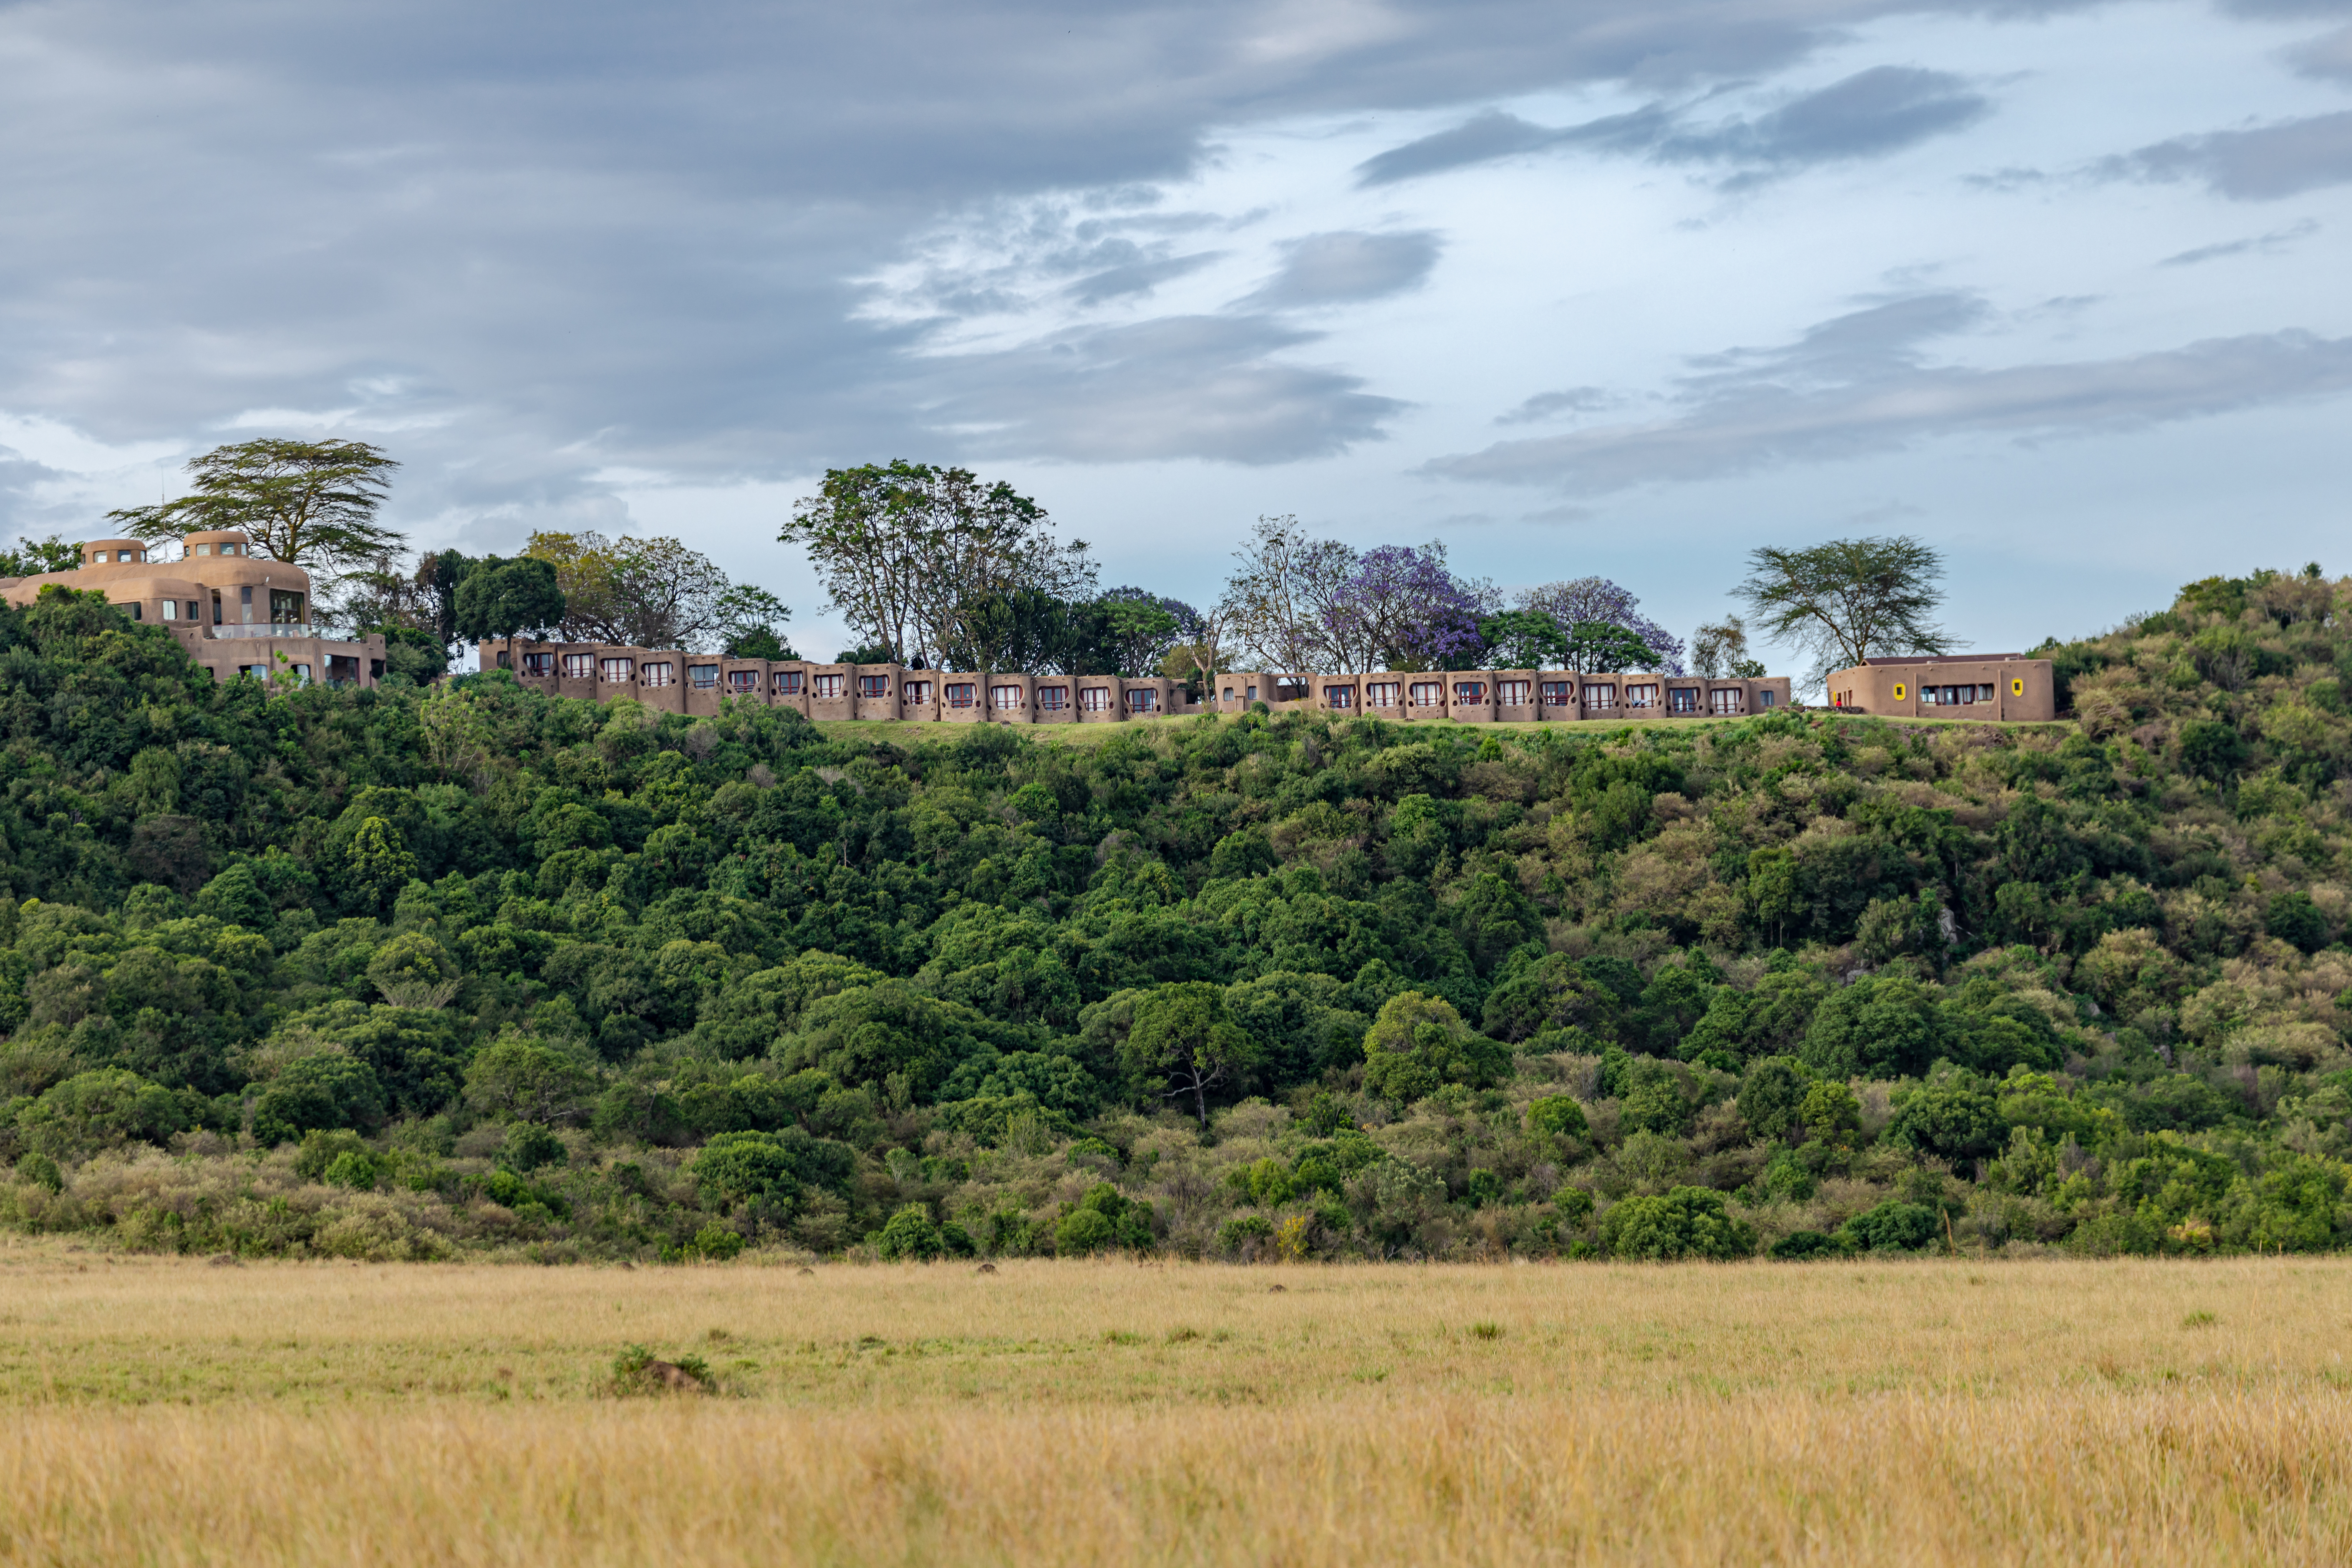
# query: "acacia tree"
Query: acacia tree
{"points": [[307, 503], [1846, 600], [910, 553]]}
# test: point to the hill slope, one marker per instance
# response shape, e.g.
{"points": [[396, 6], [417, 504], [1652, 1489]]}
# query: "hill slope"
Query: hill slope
{"points": [[392, 973]]}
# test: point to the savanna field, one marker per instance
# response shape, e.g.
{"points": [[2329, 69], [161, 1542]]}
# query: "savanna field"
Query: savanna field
{"points": [[459, 1125], [1935, 1411]]}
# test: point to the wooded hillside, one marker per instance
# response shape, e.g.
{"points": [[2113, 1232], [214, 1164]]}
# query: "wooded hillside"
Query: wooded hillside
{"points": [[397, 973]]}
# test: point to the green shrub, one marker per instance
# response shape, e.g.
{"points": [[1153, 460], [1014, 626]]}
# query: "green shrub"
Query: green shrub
{"points": [[1419, 1043], [1894, 1226], [1557, 1116], [1084, 1231], [355, 1170], [530, 1146], [1237, 1234], [1801, 1245], [715, 1243], [99, 1110], [323, 1148], [319, 1093], [910, 1236], [1953, 1116], [1688, 1222]]}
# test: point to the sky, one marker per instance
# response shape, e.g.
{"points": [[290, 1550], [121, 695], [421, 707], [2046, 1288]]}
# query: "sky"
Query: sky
{"points": [[1626, 289]]}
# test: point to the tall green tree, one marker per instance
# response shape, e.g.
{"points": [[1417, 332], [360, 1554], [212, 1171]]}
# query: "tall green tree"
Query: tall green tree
{"points": [[910, 553], [507, 598], [1849, 599], [32, 557], [1600, 648], [307, 503], [1184, 1042]]}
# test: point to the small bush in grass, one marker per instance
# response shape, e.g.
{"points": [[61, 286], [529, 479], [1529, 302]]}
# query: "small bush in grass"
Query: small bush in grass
{"points": [[716, 1243], [1084, 1232], [1799, 1245], [909, 1236], [637, 1369], [1894, 1226], [1688, 1222], [1239, 1235]]}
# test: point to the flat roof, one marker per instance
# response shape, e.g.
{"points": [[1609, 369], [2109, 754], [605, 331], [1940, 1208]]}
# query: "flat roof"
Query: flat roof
{"points": [[1950, 658]]}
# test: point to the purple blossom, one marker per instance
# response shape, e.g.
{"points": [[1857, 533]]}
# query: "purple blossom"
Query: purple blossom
{"points": [[1599, 599], [1401, 605]]}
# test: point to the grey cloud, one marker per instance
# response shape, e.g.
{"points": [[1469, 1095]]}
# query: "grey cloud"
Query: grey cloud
{"points": [[1869, 114], [2266, 244], [1873, 112], [2288, 8], [2327, 56], [1346, 267], [1857, 386], [1137, 277], [614, 236], [2009, 179], [2262, 164], [1492, 135], [1861, 345], [1480, 139], [1551, 404], [1181, 387]]}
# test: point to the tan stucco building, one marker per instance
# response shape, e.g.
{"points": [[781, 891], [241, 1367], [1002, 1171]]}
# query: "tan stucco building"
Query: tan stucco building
{"points": [[675, 682], [238, 613], [1972, 686]]}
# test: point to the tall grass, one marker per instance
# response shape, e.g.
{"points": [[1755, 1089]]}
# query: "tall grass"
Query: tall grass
{"points": [[1909, 1478], [159, 1411]]}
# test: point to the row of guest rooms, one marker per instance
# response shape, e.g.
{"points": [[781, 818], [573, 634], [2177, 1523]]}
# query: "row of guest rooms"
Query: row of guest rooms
{"points": [[686, 683]]}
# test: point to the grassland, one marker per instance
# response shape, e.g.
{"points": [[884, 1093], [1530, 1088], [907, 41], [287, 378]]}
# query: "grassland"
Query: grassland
{"points": [[163, 1411]]}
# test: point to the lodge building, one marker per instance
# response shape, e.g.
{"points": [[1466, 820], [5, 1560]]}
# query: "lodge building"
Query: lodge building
{"points": [[1992, 687], [671, 681], [238, 613]]}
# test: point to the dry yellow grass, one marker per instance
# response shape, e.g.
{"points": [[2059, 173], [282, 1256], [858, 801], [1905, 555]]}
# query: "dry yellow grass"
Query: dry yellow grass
{"points": [[1933, 1412]]}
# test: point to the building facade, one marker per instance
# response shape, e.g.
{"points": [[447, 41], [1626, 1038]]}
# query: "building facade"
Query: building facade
{"points": [[671, 681], [1996, 687], [236, 614]]}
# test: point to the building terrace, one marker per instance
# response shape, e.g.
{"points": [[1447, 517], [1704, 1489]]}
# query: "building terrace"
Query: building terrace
{"points": [[673, 681]]}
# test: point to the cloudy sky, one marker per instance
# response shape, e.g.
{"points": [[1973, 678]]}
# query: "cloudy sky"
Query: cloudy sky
{"points": [[1615, 286]]}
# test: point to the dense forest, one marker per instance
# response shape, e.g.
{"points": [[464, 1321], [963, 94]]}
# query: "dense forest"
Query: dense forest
{"points": [[413, 971]]}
